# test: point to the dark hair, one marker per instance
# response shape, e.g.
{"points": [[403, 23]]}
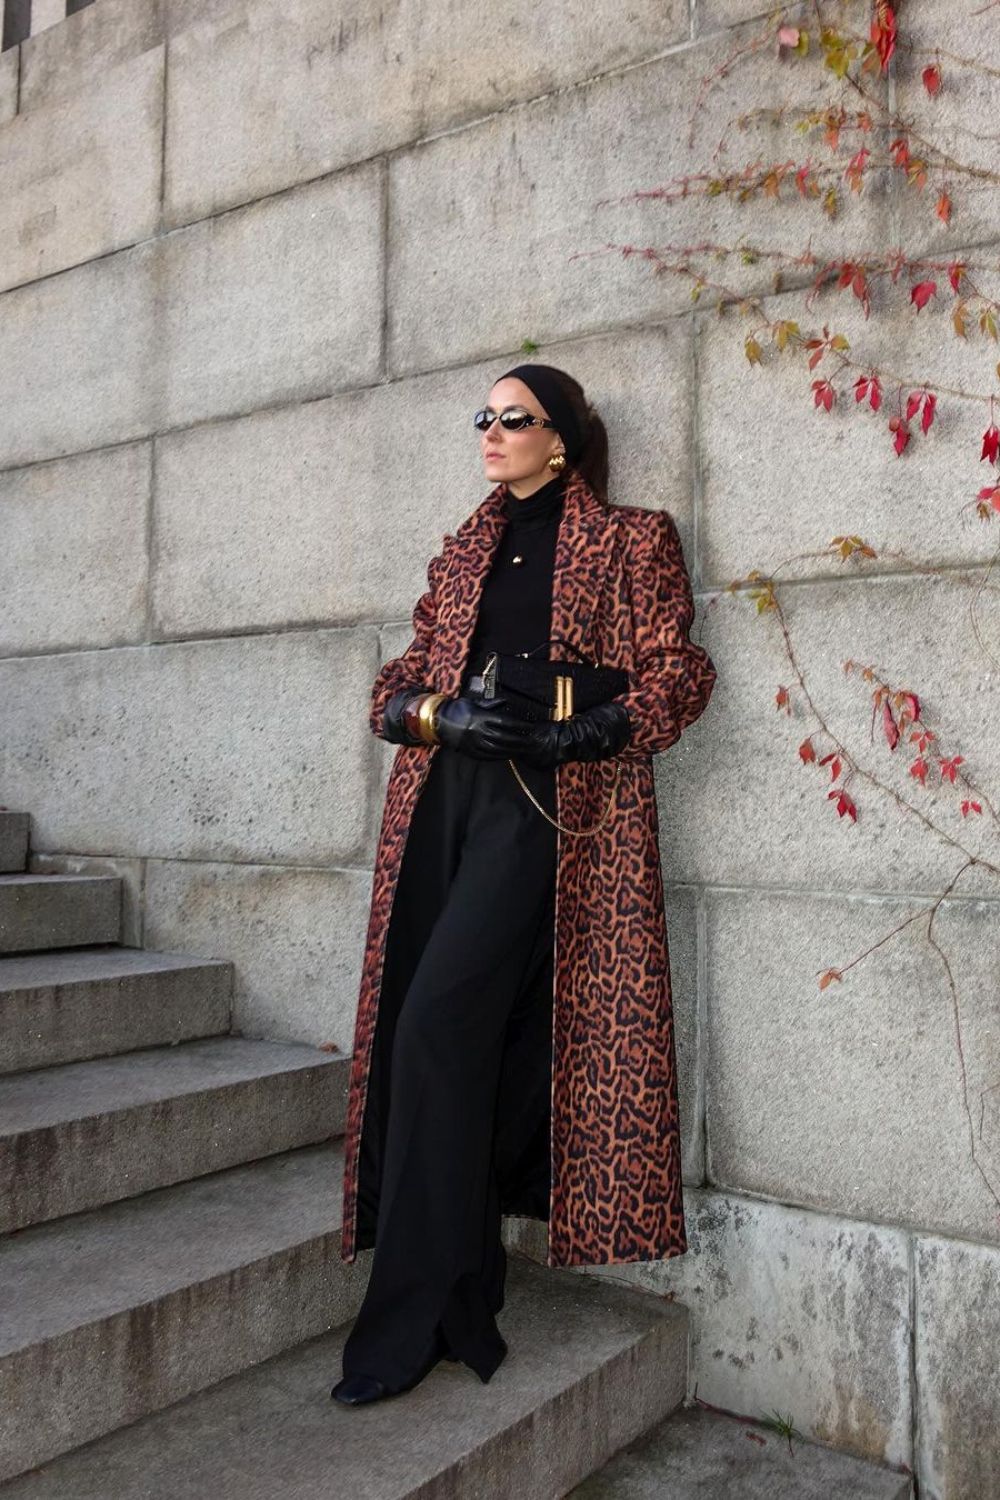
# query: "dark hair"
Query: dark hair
{"points": [[592, 460]]}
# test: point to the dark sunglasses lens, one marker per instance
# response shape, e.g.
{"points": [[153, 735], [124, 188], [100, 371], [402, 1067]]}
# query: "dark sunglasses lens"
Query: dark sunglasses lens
{"points": [[511, 421]]}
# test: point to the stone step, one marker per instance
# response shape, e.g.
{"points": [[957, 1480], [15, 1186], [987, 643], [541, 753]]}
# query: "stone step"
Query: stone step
{"points": [[58, 911], [589, 1367], [80, 1003], [115, 1313], [89, 1133], [701, 1455], [14, 827]]}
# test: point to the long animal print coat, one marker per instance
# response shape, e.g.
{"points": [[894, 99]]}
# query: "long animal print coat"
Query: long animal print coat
{"points": [[621, 593]]}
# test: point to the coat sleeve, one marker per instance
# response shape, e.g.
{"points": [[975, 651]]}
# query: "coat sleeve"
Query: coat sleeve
{"points": [[411, 669], [673, 677]]}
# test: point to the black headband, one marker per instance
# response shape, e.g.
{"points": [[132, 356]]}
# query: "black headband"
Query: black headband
{"points": [[543, 382]]}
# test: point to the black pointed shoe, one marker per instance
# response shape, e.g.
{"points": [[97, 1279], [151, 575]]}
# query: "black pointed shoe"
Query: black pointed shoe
{"points": [[355, 1390]]}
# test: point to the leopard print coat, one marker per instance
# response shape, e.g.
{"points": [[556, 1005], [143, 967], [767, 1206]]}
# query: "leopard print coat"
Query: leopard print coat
{"points": [[620, 593]]}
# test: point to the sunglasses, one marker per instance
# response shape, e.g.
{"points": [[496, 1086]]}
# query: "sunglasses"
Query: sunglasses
{"points": [[512, 419]]}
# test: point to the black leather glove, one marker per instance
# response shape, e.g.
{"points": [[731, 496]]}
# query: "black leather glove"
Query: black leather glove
{"points": [[477, 728], [393, 728], [594, 734]]}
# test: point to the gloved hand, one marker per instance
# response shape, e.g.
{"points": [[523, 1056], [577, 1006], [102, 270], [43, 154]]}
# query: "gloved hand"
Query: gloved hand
{"points": [[477, 728], [593, 734], [393, 728]]}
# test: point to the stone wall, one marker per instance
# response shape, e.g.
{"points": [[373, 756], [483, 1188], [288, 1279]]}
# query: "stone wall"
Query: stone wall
{"points": [[260, 263]]}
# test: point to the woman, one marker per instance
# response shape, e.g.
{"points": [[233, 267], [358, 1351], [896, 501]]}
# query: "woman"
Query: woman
{"points": [[513, 1048]]}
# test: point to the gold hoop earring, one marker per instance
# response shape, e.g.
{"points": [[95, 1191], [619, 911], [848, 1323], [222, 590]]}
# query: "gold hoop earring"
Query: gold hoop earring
{"points": [[557, 461]]}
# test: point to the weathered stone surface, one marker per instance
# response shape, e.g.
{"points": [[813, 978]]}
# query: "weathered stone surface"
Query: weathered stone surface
{"points": [[62, 60], [459, 202], [296, 91], [835, 474], [956, 128], [791, 1311], [278, 301], [399, 461], [958, 1392], [59, 390], [249, 749], [129, 873], [73, 561], [752, 813], [73, 183], [8, 84], [851, 1099], [295, 936], [712, 15], [703, 1455]]}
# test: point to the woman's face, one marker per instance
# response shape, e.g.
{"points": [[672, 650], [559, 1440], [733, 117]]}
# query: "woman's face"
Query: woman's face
{"points": [[520, 459]]}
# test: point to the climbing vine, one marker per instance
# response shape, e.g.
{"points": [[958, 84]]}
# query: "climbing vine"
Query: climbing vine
{"points": [[862, 138]]}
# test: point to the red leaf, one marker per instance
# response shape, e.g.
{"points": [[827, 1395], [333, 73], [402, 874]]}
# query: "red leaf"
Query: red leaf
{"points": [[875, 394], [807, 752], [889, 726], [919, 770], [922, 293], [991, 443], [927, 416], [899, 427], [860, 388], [932, 78], [912, 704], [948, 768], [844, 803], [913, 403], [823, 394], [967, 805], [955, 271]]}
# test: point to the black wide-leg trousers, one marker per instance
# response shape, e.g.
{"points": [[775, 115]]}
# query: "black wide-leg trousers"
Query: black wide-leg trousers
{"points": [[459, 1088]]}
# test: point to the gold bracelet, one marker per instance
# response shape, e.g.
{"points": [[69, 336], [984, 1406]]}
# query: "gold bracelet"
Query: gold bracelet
{"points": [[428, 716]]}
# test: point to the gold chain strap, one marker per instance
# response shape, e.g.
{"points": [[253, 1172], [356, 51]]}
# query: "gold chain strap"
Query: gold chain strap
{"points": [[582, 832]]}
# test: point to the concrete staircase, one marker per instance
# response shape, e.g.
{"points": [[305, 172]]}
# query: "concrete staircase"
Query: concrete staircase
{"points": [[172, 1301]]}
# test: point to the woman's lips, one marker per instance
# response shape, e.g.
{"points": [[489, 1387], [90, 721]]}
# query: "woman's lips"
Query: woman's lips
{"points": [[494, 455]]}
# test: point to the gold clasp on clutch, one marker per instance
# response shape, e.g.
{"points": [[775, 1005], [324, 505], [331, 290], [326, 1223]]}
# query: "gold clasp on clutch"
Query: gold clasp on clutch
{"points": [[564, 698]]}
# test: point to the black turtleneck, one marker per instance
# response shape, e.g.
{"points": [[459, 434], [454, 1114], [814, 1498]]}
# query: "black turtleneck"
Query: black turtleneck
{"points": [[515, 609]]}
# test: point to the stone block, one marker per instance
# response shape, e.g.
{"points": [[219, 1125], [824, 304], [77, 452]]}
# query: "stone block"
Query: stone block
{"points": [[294, 91], [782, 477], [275, 302], [955, 127], [458, 203], [129, 873], [59, 62], [81, 178], [851, 1099], [60, 392], [794, 1312], [278, 301], [254, 749], [782, 828], [958, 1393], [296, 938], [73, 564]]}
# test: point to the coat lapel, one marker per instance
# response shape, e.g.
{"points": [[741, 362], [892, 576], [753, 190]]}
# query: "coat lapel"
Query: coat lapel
{"points": [[584, 545]]}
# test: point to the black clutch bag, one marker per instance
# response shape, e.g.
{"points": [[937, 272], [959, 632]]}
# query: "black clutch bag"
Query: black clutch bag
{"points": [[534, 688]]}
